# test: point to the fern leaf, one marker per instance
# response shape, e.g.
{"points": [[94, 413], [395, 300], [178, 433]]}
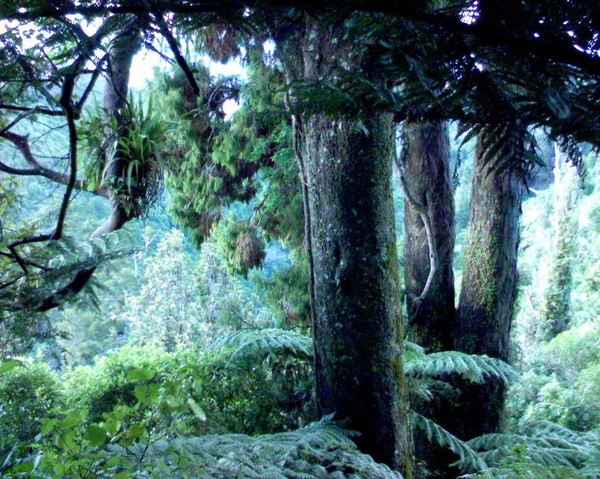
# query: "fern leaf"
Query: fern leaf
{"points": [[265, 342], [319, 450], [471, 367], [470, 461]]}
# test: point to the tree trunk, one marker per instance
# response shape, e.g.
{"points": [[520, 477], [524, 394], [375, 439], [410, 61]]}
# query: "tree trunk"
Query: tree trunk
{"points": [[425, 166], [429, 235], [357, 323], [489, 284], [556, 312], [347, 166], [125, 45]]}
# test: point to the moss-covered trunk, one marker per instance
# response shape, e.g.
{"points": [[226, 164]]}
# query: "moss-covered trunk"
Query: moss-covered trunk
{"points": [[489, 284], [357, 325], [347, 165], [556, 311]]}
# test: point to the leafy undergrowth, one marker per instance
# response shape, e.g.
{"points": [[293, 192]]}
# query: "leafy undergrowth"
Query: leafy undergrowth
{"points": [[318, 451]]}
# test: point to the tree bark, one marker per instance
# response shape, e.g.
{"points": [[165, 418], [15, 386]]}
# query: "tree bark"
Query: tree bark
{"points": [[425, 167], [347, 166], [489, 284], [556, 311], [429, 236]]}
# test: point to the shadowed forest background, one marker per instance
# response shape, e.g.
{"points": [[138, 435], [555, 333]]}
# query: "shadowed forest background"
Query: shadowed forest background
{"points": [[371, 254]]}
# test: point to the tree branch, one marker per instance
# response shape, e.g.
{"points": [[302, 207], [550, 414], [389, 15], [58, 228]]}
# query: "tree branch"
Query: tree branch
{"points": [[22, 144], [165, 32], [35, 109], [423, 213], [66, 101], [490, 34]]}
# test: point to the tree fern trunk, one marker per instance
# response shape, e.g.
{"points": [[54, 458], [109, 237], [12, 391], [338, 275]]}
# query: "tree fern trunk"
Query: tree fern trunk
{"points": [[489, 283]]}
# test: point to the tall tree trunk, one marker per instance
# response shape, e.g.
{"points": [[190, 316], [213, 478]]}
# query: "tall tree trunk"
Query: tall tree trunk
{"points": [[347, 165], [556, 311], [489, 283], [429, 235], [425, 170]]}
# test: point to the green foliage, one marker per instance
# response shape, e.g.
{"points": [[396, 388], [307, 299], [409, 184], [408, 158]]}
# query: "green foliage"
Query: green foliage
{"points": [[186, 299], [201, 181], [562, 383], [469, 460], [254, 393], [100, 388], [470, 367], [317, 451], [271, 342], [139, 146], [547, 451], [240, 245], [143, 395], [286, 291], [29, 392]]}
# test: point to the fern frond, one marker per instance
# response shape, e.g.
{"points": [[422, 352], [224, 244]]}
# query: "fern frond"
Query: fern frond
{"points": [[470, 460], [471, 367], [320, 450], [412, 352], [592, 466], [265, 342], [550, 446]]}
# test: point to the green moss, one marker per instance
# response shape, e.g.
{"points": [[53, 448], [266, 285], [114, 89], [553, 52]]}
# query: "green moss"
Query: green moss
{"points": [[480, 271]]}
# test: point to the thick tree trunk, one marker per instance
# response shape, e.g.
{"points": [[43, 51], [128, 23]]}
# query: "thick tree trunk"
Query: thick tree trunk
{"points": [[429, 235], [347, 166], [357, 305], [489, 286]]}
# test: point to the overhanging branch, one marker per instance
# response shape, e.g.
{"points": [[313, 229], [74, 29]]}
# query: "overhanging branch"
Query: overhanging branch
{"points": [[488, 34]]}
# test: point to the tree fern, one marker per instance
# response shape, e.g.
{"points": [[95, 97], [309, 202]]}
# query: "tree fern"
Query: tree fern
{"points": [[469, 459], [270, 341], [547, 445], [471, 367], [319, 450]]}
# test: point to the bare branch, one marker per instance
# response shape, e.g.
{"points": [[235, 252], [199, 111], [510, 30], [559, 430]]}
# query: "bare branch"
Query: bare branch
{"points": [[90, 86], [66, 101], [35, 109], [423, 213], [22, 144], [164, 30]]}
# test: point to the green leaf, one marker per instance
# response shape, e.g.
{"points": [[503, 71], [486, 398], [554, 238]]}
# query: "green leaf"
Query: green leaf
{"points": [[198, 412], [140, 374], [72, 419], [95, 435], [6, 366], [147, 394], [48, 425]]}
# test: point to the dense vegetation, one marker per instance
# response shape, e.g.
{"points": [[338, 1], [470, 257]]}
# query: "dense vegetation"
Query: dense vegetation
{"points": [[215, 276]]}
